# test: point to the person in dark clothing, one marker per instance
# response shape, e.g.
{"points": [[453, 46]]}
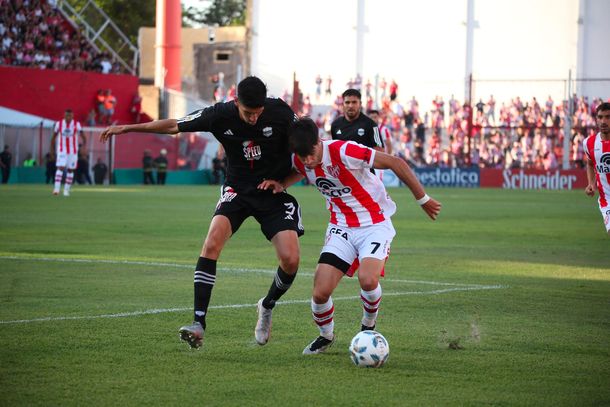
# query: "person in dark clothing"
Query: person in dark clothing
{"points": [[160, 164], [219, 166], [253, 130], [82, 170], [50, 168], [5, 163], [147, 168], [100, 169]]}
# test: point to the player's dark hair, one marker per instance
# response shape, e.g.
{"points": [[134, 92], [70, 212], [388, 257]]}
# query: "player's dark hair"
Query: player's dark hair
{"points": [[68, 111], [303, 136], [602, 107], [352, 92], [252, 92]]}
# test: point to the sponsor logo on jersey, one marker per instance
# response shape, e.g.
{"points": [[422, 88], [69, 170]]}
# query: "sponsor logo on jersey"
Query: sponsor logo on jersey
{"points": [[604, 167], [361, 132], [251, 151], [228, 132], [267, 131], [190, 117], [328, 188], [333, 170], [338, 131]]}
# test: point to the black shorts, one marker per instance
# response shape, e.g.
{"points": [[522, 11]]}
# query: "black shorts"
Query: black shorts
{"points": [[274, 212]]}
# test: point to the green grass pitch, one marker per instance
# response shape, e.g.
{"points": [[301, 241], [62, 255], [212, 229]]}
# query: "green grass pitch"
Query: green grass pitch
{"points": [[505, 300]]}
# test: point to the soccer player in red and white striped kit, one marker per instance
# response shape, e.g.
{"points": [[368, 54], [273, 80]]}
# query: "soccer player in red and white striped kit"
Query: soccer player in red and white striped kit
{"points": [[360, 231], [64, 145], [597, 151]]}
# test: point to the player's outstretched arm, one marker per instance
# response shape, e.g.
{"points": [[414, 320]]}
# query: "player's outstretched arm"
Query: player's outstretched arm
{"points": [[384, 161], [165, 126]]}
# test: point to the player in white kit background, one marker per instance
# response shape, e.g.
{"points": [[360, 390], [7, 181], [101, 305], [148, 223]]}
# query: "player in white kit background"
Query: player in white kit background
{"points": [[360, 231], [597, 151], [64, 145]]}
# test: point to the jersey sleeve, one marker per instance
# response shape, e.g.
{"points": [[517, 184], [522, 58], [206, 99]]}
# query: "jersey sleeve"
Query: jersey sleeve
{"points": [[377, 140], [79, 128], [357, 156], [199, 120], [585, 149], [56, 127]]}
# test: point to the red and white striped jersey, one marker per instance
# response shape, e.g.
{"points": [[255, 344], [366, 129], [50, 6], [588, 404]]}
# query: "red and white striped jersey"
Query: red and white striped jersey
{"points": [[67, 136], [598, 151], [354, 195]]}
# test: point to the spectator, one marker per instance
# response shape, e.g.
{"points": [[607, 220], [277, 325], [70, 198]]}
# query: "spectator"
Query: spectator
{"points": [[219, 166], [5, 163], [109, 106], [82, 169], [160, 164], [50, 167], [29, 161], [100, 169], [136, 108], [147, 168]]}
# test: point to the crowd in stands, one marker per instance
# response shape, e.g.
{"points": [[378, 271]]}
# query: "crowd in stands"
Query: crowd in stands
{"points": [[509, 134], [34, 34]]}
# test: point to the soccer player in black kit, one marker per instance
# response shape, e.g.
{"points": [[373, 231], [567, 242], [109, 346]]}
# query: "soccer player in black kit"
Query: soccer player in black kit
{"points": [[253, 131], [355, 125]]}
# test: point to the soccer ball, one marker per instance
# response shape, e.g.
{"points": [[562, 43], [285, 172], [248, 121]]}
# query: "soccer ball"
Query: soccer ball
{"points": [[369, 349]]}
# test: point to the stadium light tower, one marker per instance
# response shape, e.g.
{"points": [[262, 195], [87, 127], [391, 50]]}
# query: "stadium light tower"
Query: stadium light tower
{"points": [[361, 29], [168, 45], [471, 24]]}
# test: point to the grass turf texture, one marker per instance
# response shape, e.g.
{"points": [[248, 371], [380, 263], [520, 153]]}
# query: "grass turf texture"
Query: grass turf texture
{"points": [[542, 338]]}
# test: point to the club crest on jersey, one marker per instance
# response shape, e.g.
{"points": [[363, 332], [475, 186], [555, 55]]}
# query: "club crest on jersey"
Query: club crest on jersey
{"points": [[328, 188], [228, 193], [361, 132], [251, 151], [333, 170], [267, 131]]}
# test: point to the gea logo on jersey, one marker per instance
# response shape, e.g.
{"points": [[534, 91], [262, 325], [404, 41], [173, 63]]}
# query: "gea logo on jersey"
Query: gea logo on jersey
{"points": [[328, 188], [604, 167], [251, 151]]}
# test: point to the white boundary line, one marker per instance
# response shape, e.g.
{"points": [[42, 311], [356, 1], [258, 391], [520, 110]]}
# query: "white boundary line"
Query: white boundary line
{"points": [[456, 287]]}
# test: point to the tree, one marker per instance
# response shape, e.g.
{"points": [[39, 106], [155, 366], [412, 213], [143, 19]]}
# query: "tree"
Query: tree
{"points": [[216, 12], [128, 15]]}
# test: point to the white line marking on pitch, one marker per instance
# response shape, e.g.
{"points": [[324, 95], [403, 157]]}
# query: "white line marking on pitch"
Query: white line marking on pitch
{"points": [[456, 287], [229, 306]]}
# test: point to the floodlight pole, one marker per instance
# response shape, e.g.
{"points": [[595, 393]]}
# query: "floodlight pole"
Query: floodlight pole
{"points": [[360, 30]]}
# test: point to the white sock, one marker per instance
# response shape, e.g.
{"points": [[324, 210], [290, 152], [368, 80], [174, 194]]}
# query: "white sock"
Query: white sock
{"points": [[69, 178], [370, 305], [323, 316], [58, 176]]}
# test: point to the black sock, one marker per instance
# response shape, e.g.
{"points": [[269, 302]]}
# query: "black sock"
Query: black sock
{"points": [[281, 283], [205, 277]]}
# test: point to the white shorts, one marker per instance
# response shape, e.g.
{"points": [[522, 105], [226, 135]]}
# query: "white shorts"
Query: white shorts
{"points": [[66, 160], [606, 216], [350, 244]]}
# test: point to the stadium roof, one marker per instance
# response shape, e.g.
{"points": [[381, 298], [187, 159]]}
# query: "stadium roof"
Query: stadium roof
{"points": [[16, 118]]}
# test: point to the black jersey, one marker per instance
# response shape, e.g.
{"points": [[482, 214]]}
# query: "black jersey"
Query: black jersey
{"points": [[254, 153], [363, 130]]}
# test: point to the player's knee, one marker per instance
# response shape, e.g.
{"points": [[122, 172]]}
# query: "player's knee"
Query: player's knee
{"points": [[320, 296], [290, 262], [212, 248], [368, 283]]}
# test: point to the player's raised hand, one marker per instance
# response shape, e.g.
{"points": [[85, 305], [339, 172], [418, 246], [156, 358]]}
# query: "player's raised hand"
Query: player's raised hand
{"points": [[111, 131], [432, 208]]}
